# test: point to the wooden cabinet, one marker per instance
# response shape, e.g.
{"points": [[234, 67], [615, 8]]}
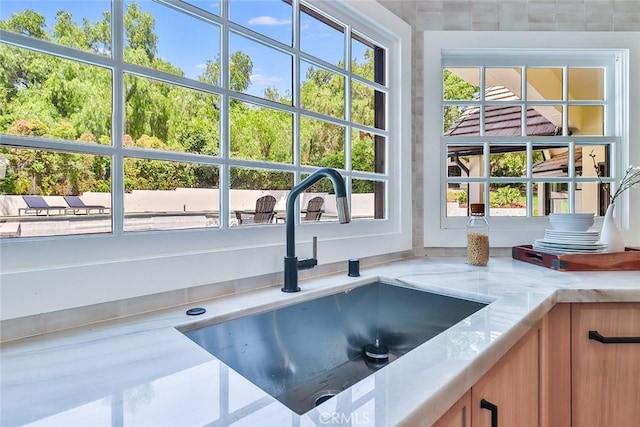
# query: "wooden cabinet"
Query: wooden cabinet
{"points": [[511, 388], [459, 415], [605, 376], [560, 375], [555, 367]]}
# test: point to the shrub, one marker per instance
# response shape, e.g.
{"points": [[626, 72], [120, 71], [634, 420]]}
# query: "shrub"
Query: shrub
{"points": [[506, 196]]}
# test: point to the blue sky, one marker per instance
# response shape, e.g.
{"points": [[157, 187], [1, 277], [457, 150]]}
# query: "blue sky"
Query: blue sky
{"points": [[188, 43]]}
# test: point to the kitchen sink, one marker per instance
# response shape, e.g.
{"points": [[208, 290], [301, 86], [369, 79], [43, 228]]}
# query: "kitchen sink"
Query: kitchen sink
{"points": [[303, 354]]}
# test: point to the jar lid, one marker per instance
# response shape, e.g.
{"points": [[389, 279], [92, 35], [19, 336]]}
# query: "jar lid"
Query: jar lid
{"points": [[477, 208]]}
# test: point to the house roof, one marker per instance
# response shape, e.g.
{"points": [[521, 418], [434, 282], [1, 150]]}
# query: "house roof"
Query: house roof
{"points": [[501, 120], [505, 120], [557, 165]]}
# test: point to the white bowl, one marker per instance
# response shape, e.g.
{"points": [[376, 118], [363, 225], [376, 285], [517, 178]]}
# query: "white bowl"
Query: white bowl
{"points": [[571, 221]]}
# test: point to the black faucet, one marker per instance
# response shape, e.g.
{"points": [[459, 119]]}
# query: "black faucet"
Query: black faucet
{"points": [[291, 263]]}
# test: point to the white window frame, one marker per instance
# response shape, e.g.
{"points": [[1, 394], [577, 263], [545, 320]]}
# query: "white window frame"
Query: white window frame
{"points": [[172, 260], [501, 49]]}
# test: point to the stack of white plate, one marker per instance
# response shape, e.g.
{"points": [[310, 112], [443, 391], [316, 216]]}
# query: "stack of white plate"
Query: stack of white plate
{"points": [[570, 234], [566, 241]]}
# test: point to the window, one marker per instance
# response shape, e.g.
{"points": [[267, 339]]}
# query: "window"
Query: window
{"points": [[529, 133], [515, 121], [109, 101]]}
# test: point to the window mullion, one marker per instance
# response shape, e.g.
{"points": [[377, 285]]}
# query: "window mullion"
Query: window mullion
{"points": [[118, 118]]}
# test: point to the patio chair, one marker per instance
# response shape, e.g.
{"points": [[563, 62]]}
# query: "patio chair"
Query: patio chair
{"points": [[76, 205], [314, 209], [263, 214], [38, 205]]}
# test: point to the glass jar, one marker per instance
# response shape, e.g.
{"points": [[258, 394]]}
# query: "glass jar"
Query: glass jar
{"points": [[477, 236]]}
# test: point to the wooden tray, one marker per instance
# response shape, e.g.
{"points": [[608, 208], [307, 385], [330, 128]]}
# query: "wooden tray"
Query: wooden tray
{"points": [[628, 260]]}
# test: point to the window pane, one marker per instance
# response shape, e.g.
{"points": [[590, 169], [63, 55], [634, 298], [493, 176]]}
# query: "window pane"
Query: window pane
{"points": [[551, 197], [324, 189], [367, 152], [246, 197], [461, 120], [271, 18], [461, 83], [586, 84], [317, 32], [208, 5], [47, 96], [259, 70], [367, 200], [503, 78], [83, 25], [167, 117], [593, 160], [550, 162], [322, 91], [166, 195], [592, 198], [503, 120], [508, 161], [260, 133], [586, 120], [544, 84], [156, 37], [465, 160], [456, 199], [363, 58], [508, 199], [538, 206], [459, 195], [544, 120], [321, 143], [49, 176], [367, 105]]}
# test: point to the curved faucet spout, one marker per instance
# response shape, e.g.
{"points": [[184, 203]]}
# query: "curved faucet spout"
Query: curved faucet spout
{"points": [[291, 263]]}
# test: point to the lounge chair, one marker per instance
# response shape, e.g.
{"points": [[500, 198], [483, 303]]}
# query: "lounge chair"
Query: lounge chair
{"points": [[314, 209], [76, 205], [37, 205], [263, 214]]}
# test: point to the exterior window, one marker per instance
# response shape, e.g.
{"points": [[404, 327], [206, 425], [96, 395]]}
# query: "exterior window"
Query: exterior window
{"points": [[110, 102], [527, 134]]}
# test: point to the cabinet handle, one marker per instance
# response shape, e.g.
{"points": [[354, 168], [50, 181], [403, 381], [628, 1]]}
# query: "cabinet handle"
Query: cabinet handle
{"points": [[595, 335], [485, 404]]}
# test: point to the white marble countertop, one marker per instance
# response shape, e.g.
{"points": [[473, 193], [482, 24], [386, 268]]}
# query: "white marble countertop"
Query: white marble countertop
{"points": [[142, 371]]}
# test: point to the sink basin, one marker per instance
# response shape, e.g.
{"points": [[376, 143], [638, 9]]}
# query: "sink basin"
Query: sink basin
{"points": [[304, 354]]}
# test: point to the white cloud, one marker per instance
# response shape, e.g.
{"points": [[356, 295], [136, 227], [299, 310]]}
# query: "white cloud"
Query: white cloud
{"points": [[268, 20], [262, 79]]}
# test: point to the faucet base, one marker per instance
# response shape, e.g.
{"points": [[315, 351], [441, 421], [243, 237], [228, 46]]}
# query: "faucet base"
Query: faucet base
{"points": [[291, 274]]}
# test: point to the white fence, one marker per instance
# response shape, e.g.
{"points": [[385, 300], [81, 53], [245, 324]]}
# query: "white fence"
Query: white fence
{"points": [[193, 200]]}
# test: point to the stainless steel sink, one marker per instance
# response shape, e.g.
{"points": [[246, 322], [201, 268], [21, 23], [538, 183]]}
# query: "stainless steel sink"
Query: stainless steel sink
{"points": [[305, 353]]}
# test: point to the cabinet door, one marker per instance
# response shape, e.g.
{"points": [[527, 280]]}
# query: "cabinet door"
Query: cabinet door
{"points": [[511, 387], [555, 367], [459, 415], [605, 377]]}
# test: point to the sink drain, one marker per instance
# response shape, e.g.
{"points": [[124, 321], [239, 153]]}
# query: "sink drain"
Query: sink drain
{"points": [[324, 397], [376, 352]]}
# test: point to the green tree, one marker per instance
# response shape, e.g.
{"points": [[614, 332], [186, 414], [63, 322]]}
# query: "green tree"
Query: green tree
{"points": [[455, 88]]}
